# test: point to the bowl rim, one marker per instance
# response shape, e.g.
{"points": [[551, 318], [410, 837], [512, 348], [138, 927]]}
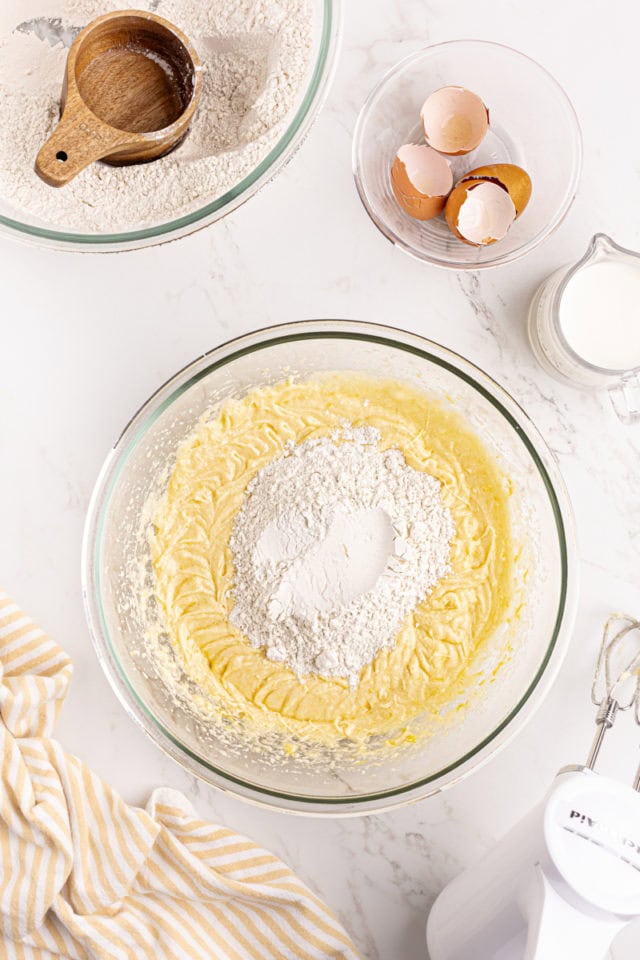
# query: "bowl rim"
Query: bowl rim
{"points": [[176, 386], [273, 163], [500, 259]]}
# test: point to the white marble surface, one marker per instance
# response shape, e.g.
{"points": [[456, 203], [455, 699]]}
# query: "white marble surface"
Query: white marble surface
{"points": [[87, 338]]}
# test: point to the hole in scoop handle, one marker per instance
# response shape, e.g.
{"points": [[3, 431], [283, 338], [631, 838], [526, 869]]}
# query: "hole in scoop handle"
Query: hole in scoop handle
{"points": [[78, 141]]}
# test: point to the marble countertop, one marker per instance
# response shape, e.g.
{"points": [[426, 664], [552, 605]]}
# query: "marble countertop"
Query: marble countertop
{"points": [[86, 339]]}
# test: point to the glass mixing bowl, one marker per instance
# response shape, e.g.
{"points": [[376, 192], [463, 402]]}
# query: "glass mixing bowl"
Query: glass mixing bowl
{"points": [[532, 124], [327, 23], [121, 608]]}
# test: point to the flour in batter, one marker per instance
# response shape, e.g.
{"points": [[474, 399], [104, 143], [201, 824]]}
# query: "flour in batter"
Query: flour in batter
{"points": [[335, 544]]}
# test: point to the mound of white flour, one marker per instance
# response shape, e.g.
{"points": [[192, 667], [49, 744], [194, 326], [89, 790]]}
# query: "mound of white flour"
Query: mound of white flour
{"points": [[255, 56], [335, 544]]}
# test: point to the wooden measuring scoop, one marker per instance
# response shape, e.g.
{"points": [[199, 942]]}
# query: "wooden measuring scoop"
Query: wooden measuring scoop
{"points": [[131, 88]]}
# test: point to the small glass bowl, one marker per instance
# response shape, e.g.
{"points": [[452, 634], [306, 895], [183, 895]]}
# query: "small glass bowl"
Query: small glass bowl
{"points": [[532, 124]]}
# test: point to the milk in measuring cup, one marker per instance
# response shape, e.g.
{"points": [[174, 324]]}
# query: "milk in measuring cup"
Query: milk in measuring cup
{"points": [[584, 324], [599, 314]]}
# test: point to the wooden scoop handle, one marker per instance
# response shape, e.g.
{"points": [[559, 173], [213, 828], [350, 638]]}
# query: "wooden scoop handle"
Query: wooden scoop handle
{"points": [[79, 140]]}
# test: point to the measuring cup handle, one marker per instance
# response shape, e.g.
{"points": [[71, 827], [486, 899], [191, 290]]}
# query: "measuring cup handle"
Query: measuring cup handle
{"points": [[79, 140], [625, 398]]}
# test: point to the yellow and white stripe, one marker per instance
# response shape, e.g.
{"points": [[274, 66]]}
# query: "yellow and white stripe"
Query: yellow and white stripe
{"points": [[83, 875]]}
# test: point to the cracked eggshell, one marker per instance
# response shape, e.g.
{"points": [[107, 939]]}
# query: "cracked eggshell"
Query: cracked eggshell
{"points": [[479, 211], [454, 120], [421, 180], [513, 178]]}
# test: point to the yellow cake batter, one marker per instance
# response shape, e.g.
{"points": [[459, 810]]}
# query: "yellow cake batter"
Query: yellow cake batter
{"points": [[194, 567]]}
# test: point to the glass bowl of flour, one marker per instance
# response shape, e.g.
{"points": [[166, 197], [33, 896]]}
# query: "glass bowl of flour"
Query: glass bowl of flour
{"points": [[500, 686], [266, 72]]}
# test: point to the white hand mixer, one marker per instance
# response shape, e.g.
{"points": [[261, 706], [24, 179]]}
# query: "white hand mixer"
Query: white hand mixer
{"points": [[565, 881]]}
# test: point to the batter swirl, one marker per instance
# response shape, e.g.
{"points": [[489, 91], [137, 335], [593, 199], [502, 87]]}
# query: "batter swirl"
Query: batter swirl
{"points": [[195, 575]]}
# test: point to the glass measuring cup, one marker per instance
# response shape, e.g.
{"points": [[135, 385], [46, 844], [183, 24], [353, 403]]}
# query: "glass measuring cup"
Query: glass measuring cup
{"points": [[576, 324]]}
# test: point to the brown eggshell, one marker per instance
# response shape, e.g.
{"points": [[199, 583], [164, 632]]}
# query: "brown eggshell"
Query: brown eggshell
{"points": [[418, 205], [516, 180], [454, 120], [458, 197], [452, 208]]}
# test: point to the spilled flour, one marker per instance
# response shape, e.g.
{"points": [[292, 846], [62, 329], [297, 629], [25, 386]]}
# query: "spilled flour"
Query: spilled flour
{"points": [[334, 545], [255, 56]]}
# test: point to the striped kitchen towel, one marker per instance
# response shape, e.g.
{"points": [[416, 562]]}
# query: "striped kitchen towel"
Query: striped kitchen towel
{"points": [[83, 875]]}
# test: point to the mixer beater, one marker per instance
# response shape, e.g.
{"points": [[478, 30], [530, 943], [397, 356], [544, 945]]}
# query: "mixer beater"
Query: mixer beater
{"points": [[616, 683]]}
